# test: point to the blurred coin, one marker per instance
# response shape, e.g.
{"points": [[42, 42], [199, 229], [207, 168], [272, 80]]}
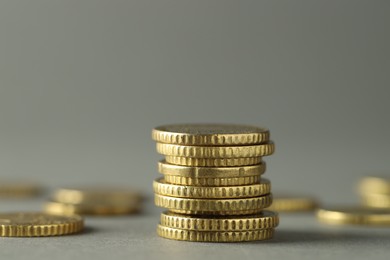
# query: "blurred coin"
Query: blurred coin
{"points": [[38, 224], [18, 189], [293, 204], [91, 208], [357, 216], [93, 194], [376, 200], [372, 184]]}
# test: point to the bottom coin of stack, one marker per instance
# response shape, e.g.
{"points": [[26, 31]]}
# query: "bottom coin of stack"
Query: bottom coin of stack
{"points": [[218, 228], [94, 201]]}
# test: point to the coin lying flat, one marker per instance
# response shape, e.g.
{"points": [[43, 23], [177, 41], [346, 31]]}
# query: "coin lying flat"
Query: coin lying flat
{"points": [[216, 151], [262, 220], [18, 189], [181, 191], [211, 172], [212, 162], [372, 184], [357, 216], [376, 200], [96, 208], [293, 204], [92, 194], [214, 236], [38, 225], [178, 180], [213, 206], [210, 134]]}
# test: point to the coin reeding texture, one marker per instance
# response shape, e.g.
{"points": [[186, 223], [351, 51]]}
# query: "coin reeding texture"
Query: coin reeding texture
{"points": [[213, 162]]}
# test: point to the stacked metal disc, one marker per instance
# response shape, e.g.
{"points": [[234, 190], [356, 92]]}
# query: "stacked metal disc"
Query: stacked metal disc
{"points": [[212, 185]]}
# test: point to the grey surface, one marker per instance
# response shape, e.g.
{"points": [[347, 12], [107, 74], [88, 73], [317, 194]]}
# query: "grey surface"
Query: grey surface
{"points": [[82, 83]]}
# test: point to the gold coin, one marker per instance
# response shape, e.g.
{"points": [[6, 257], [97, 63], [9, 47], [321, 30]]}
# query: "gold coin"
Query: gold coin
{"points": [[263, 220], [214, 236], [379, 185], [210, 134], [376, 200], [235, 181], [254, 190], [293, 204], [357, 216], [96, 208], [38, 225], [213, 206], [213, 172], [92, 194], [16, 189], [210, 162], [216, 151]]}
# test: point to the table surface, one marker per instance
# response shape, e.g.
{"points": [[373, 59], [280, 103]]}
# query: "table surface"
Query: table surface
{"points": [[299, 236]]}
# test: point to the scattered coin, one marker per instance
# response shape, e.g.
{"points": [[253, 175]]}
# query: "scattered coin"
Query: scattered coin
{"points": [[38, 225], [293, 204], [357, 216]]}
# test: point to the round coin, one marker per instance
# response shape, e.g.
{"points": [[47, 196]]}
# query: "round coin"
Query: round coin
{"points": [[210, 172], [379, 185], [376, 200], [235, 181], [213, 206], [262, 220], [293, 204], [54, 207], [210, 134], [212, 162], [214, 236], [216, 151], [357, 216], [246, 191], [38, 225], [16, 189], [92, 194]]}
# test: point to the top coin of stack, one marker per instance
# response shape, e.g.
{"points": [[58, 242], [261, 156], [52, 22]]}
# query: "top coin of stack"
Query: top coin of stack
{"points": [[212, 176]]}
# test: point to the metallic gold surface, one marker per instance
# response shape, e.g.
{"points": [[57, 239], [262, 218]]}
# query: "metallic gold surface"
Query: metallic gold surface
{"points": [[210, 134], [357, 216], [254, 190], [213, 162], [173, 179], [54, 207], [263, 220], [38, 225], [213, 172], [18, 189], [216, 151], [293, 204], [220, 206], [376, 200], [214, 236], [379, 185], [93, 194]]}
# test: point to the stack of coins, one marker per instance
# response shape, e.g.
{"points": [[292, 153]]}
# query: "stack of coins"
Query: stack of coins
{"points": [[375, 192], [212, 185], [94, 201]]}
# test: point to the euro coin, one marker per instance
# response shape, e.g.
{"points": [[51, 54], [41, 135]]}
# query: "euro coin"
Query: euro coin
{"points": [[38, 224], [210, 134], [357, 216]]}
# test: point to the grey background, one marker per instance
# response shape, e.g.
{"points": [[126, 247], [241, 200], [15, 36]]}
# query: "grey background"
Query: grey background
{"points": [[82, 83]]}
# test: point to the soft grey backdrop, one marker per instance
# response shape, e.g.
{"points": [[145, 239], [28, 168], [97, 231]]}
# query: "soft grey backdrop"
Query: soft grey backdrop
{"points": [[82, 83]]}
